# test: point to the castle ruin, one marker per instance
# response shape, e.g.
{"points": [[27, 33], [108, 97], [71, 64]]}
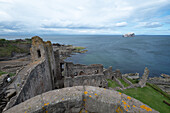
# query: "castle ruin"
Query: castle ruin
{"points": [[45, 85]]}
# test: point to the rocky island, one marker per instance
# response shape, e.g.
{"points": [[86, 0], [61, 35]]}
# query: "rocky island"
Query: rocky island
{"points": [[44, 82], [129, 35]]}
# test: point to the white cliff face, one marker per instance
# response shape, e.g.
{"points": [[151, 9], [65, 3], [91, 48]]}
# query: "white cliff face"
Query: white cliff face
{"points": [[129, 35]]}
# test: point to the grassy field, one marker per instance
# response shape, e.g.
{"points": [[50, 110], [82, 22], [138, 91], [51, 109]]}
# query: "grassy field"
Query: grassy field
{"points": [[112, 84], [123, 82], [7, 47], [149, 96], [6, 51]]}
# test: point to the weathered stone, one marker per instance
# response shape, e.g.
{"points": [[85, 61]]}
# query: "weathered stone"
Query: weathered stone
{"points": [[37, 77], [3, 88], [71, 69], [144, 78], [88, 80], [86, 99]]}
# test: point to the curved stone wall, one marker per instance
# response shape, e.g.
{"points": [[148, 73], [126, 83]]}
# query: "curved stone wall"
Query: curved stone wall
{"points": [[81, 99], [35, 78]]}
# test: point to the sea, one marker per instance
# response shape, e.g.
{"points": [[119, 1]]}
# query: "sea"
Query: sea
{"points": [[130, 54]]}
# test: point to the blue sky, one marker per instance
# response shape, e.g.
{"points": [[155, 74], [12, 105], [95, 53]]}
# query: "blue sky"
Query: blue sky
{"points": [[85, 17]]}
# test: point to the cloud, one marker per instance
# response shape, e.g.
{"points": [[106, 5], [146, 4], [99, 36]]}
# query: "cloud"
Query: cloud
{"points": [[150, 24], [121, 24], [73, 16]]}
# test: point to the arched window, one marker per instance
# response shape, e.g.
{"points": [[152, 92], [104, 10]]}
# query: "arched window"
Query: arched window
{"points": [[39, 53], [96, 71]]}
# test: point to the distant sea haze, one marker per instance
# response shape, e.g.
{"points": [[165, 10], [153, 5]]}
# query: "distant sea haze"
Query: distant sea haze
{"points": [[130, 55]]}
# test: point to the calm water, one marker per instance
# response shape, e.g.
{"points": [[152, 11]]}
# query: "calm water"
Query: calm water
{"points": [[130, 55]]}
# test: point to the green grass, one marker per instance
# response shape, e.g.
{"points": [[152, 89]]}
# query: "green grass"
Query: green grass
{"points": [[79, 50], [6, 51], [149, 96], [10, 74], [8, 46], [123, 82], [4, 41], [1, 73], [133, 81], [112, 84], [159, 90]]}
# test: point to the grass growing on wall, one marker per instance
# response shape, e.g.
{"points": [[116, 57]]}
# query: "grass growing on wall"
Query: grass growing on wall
{"points": [[123, 82], [149, 96], [133, 81], [112, 84], [10, 74], [1, 73]]}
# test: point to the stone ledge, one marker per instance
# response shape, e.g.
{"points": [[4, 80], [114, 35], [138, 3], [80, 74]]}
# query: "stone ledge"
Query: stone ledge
{"points": [[75, 99]]}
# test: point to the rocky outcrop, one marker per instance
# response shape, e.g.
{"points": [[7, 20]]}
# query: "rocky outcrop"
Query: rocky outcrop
{"points": [[129, 35]]}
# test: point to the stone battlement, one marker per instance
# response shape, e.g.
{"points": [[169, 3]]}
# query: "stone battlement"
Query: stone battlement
{"points": [[82, 98]]}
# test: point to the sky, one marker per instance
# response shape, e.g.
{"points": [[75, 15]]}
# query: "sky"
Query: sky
{"points": [[108, 17]]}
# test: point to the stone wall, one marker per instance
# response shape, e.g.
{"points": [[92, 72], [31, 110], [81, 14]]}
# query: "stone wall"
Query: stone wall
{"points": [[72, 70], [3, 85], [82, 99], [163, 83], [37, 77], [58, 80], [144, 78], [88, 80], [109, 73], [35, 81]]}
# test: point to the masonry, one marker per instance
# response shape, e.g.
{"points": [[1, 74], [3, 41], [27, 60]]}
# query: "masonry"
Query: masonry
{"points": [[79, 99], [37, 77], [78, 74]]}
